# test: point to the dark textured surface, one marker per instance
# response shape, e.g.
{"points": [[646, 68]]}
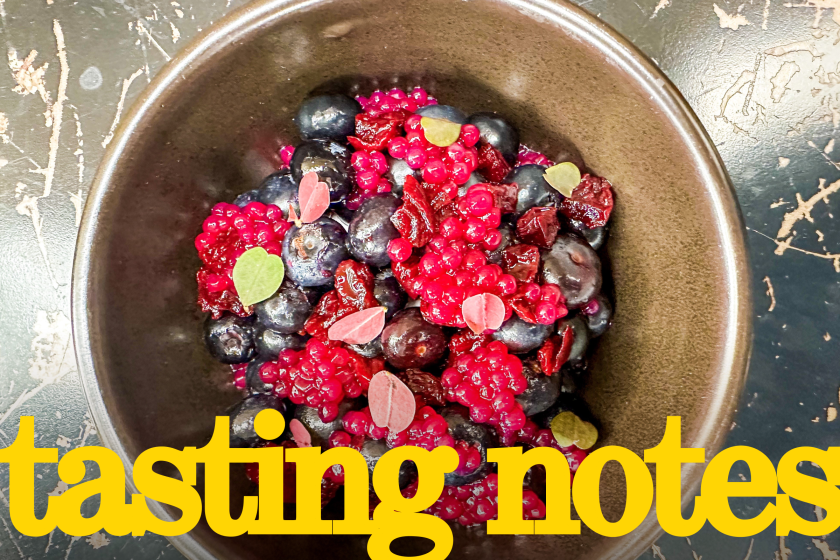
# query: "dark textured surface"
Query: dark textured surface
{"points": [[793, 376]]}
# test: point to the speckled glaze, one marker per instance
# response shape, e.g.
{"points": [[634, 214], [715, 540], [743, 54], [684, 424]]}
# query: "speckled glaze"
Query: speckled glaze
{"points": [[210, 124]]}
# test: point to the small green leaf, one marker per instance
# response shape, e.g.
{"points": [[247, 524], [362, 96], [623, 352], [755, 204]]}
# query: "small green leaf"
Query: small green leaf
{"points": [[257, 275], [440, 132], [564, 177], [570, 430]]}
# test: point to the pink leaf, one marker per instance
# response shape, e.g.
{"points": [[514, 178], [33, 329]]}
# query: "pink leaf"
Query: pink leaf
{"points": [[314, 197], [391, 402], [293, 217], [360, 327], [483, 312], [300, 433]]}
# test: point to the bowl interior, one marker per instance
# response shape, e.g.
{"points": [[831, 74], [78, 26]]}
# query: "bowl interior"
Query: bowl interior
{"points": [[680, 339]]}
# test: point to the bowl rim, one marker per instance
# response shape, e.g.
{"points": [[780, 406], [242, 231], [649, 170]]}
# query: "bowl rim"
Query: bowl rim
{"points": [[587, 28]]}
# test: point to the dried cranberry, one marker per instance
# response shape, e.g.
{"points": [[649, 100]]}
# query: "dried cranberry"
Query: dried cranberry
{"points": [[555, 351], [539, 226], [522, 262], [373, 133], [491, 163], [504, 195], [415, 219], [440, 196], [354, 291], [425, 386], [591, 202], [405, 273]]}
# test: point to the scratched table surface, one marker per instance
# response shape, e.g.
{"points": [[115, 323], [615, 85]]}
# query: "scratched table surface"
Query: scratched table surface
{"points": [[762, 75]]}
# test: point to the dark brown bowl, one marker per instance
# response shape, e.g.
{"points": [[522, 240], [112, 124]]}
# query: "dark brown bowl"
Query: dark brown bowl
{"points": [[208, 128]]}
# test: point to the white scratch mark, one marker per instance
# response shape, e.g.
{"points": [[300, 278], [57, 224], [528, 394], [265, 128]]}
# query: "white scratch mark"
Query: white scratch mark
{"points": [[52, 355], [784, 552], [822, 546], [62, 441], [657, 552], [745, 78], [176, 33], [70, 546], [764, 21], [783, 162], [781, 80], [57, 108], [804, 208], [661, 6], [28, 206], [59, 489], [98, 540], [49, 542], [829, 147], [728, 21], [819, 5], [141, 29], [752, 542], [126, 84], [29, 78], [830, 412], [800, 46], [770, 293]]}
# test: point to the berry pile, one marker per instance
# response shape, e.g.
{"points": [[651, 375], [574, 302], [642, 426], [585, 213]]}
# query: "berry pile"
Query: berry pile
{"points": [[228, 232], [415, 201], [472, 504]]}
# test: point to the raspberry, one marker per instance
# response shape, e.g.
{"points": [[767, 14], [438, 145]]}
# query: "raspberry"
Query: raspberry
{"points": [[539, 304], [227, 233], [591, 202], [487, 380], [527, 155], [531, 435], [428, 429], [319, 376], [477, 503], [395, 100], [329, 487]]}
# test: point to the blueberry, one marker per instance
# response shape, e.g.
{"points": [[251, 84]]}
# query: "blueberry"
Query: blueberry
{"points": [[508, 232], [499, 133], [520, 336], [596, 237], [286, 311], [328, 117], [281, 190], [477, 435], [575, 267], [446, 112], [246, 198], [371, 230], [313, 293], [317, 428], [409, 341], [389, 293], [230, 339], [475, 179], [542, 389], [313, 251], [581, 332], [270, 342], [601, 320], [398, 170], [253, 380], [242, 416], [371, 349], [373, 449], [330, 160], [534, 190]]}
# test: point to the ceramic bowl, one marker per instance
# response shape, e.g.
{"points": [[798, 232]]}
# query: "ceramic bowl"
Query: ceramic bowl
{"points": [[210, 124]]}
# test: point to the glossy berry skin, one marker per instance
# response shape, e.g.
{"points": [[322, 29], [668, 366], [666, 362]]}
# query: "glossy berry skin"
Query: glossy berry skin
{"points": [[319, 430], [373, 449], [246, 198], [581, 332], [281, 190], [409, 341], [370, 350], [499, 133], [508, 232], [371, 230], [446, 112], [463, 429], [313, 251], [475, 179], [230, 339], [398, 170], [388, 292], [242, 433], [521, 337], [254, 384], [286, 311], [598, 315], [327, 117], [330, 160], [542, 390], [575, 267], [271, 342], [534, 190], [596, 237]]}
